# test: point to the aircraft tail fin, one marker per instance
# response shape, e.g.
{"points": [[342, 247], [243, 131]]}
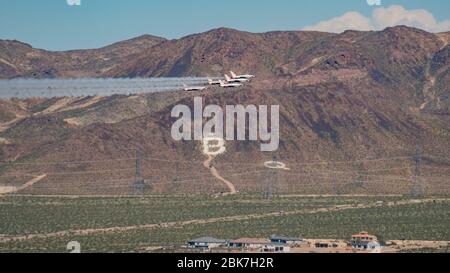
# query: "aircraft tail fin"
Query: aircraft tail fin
{"points": [[233, 75], [227, 77]]}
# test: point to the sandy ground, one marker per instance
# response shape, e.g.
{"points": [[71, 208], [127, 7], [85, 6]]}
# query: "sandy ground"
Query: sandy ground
{"points": [[4, 141], [444, 38], [6, 125], [314, 62], [76, 121], [72, 121], [86, 104], [7, 189], [412, 245], [8, 63], [11, 189], [339, 195], [60, 105], [392, 246], [56, 106]]}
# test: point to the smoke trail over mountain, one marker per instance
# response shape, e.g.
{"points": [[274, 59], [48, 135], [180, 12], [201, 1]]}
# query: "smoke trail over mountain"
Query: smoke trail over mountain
{"points": [[48, 88]]}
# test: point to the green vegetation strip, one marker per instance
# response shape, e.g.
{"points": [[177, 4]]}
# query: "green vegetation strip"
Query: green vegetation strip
{"points": [[427, 221]]}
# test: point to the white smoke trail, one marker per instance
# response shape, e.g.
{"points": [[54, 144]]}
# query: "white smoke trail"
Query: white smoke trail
{"points": [[48, 88]]}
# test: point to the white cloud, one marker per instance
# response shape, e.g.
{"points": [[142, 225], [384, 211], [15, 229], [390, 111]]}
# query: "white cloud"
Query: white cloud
{"points": [[74, 2], [351, 20], [374, 2], [398, 15], [382, 18]]}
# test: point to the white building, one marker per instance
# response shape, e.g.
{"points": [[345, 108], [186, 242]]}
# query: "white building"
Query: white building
{"points": [[276, 248], [286, 240], [365, 241]]}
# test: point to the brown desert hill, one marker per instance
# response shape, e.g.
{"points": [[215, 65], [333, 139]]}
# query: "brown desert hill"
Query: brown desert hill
{"points": [[397, 56], [344, 99], [215, 52], [326, 123], [206, 54], [22, 60], [272, 53], [390, 56]]}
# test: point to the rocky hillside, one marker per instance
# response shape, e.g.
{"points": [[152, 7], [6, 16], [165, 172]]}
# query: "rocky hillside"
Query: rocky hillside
{"points": [[398, 56], [21, 60], [344, 99]]}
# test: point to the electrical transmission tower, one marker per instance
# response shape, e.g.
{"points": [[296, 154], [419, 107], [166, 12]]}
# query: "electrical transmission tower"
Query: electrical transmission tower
{"points": [[138, 184], [176, 177], [271, 180], [416, 189], [336, 189]]}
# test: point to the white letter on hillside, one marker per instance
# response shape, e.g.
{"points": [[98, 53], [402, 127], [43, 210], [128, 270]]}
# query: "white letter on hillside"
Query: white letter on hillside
{"points": [[181, 129], [215, 112], [274, 135]]}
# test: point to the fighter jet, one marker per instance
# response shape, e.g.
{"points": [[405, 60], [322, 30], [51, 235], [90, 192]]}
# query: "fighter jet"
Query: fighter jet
{"points": [[230, 80], [230, 85], [194, 88], [234, 76], [214, 82]]}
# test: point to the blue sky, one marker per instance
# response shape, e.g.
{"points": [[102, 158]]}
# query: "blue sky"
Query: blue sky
{"points": [[55, 25]]}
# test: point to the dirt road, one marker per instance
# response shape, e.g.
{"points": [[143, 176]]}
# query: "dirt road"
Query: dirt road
{"points": [[12, 189], [6, 125], [215, 173]]}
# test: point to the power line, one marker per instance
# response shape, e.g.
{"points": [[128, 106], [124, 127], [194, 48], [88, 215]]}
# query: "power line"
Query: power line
{"points": [[126, 186], [67, 163], [194, 162], [323, 162], [288, 173], [437, 157], [166, 172]]}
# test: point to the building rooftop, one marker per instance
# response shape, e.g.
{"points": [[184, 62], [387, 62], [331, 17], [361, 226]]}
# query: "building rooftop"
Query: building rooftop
{"points": [[277, 244], [250, 241], [208, 240], [363, 234]]}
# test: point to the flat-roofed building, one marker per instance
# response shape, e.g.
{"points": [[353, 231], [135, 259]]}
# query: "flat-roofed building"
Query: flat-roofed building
{"points": [[286, 240], [248, 243], [207, 242]]}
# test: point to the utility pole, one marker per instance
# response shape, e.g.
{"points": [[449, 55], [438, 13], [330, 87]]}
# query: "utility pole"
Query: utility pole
{"points": [[416, 189], [176, 177], [138, 184]]}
